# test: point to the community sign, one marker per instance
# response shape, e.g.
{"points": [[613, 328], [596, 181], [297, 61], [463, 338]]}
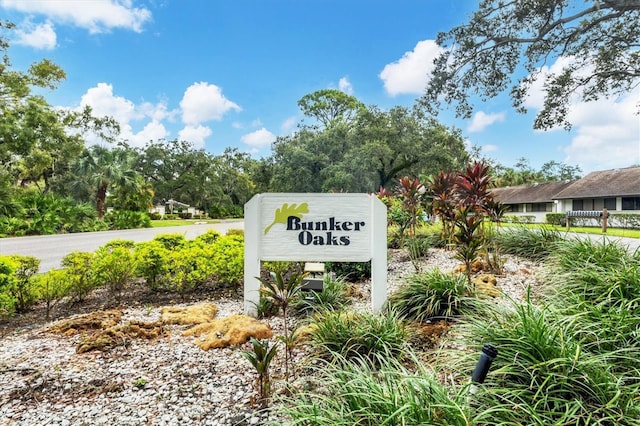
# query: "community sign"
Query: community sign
{"points": [[315, 228]]}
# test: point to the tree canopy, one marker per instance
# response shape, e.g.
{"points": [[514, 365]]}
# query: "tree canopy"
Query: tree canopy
{"points": [[598, 39]]}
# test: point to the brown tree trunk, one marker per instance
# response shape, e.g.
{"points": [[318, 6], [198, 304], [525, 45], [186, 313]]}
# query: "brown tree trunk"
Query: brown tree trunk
{"points": [[101, 196]]}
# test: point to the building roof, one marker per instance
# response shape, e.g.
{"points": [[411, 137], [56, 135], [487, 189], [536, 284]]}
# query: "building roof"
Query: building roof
{"points": [[606, 183], [535, 193]]}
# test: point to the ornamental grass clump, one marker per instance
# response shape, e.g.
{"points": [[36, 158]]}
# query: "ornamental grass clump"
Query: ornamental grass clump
{"points": [[432, 295], [356, 391], [543, 374], [596, 287], [359, 334], [532, 244]]}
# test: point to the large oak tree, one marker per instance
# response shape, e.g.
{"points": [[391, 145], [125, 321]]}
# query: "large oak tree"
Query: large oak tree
{"points": [[505, 43]]}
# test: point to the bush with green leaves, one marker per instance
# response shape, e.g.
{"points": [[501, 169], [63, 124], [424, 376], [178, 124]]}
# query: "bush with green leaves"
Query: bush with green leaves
{"points": [[17, 283], [350, 271], [152, 262], [125, 219], [385, 392], [114, 267], [190, 268], [358, 334], [51, 287], [228, 260], [171, 241], [209, 237], [79, 272], [432, 295]]}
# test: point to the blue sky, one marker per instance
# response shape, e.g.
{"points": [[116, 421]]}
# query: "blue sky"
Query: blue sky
{"points": [[228, 73]]}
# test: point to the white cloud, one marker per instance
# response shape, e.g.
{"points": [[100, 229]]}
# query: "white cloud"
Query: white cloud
{"points": [[259, 138], [96, 16], [489, 148], [204, 102], [104, 103], [607, 134], [345, 85], [42, 36], [288, 124], [410, 74], [606, 131], [481, 120], [197, 135]]}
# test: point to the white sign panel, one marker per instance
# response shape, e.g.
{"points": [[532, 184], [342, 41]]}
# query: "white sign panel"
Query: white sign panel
{"points": [[316, 227]]}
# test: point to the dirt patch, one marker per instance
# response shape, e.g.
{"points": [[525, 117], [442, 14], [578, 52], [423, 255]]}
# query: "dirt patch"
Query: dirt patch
{"points": [[230, 331]]}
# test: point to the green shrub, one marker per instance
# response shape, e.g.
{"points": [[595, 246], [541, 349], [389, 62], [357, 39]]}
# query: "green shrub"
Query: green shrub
{"points": [[354, 335], [79, 274], [17, 283], [171, 241], [625, 220], [189, 268], [185, 215], [125, 219], [350, 271], [558, 219], [155, 216], [114, 267], [51, 287], [209, 237], [228, 260], [152, 262], [431, 295], [235, 231]]}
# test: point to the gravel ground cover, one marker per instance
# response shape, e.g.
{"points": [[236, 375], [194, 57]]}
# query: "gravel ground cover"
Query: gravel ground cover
{"points": [[164, 381]]}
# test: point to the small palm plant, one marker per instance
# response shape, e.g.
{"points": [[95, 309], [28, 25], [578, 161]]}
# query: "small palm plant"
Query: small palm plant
{"points": [[260, 358], [283, 291]]}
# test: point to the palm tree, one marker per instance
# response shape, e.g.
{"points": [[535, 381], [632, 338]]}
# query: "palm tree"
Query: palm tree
{"points": [[102, 168]]}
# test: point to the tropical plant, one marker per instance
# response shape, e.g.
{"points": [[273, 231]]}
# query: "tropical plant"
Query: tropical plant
{"points": [[102, 168], [260, 358], [283, 290], [469, 244]]}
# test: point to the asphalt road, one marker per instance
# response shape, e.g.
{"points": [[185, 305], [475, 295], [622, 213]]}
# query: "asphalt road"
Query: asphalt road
{"points": [[50, 249]]}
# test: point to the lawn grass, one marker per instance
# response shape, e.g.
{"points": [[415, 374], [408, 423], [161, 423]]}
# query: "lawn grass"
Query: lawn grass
{"points": [[613, 232]]}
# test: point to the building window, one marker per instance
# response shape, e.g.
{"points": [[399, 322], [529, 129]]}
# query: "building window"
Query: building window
{"points": [[540, 207], [630, 203], [610, 203], [577, 205]]}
